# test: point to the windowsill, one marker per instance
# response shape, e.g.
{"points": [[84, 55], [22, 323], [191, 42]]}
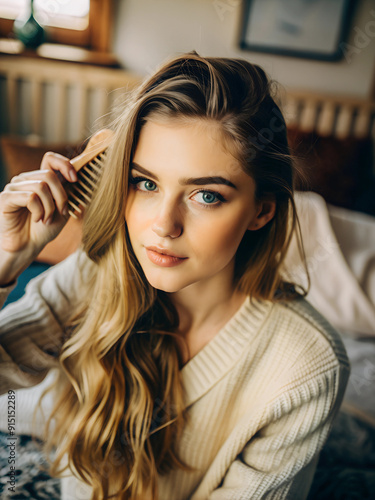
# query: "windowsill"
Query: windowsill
{"points": [[58, 52]]}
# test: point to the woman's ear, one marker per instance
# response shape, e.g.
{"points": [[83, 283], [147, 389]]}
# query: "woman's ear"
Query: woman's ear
{"points": [[266, 212]]}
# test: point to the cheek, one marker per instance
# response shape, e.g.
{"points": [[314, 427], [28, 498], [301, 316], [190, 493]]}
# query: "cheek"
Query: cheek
{"points": [[220, 237], [136, 215]]}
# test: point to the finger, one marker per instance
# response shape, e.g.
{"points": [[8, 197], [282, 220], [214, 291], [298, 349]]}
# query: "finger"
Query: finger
{"points": [[31, 181], [55, 161], [50, 193], [12, 202]]}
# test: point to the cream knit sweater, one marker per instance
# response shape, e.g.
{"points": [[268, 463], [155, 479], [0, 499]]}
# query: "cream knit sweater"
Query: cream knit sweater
{"points": [[262, 394]]}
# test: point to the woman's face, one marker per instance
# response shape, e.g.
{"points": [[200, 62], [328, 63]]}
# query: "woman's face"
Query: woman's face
{"points": [[189, 197]]}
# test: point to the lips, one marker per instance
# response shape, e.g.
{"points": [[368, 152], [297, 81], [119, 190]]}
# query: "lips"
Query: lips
{"points": [[162, 259], [164, 251]]}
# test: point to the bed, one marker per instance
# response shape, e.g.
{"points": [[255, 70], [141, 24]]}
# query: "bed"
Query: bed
{"points": [[333, 140]]}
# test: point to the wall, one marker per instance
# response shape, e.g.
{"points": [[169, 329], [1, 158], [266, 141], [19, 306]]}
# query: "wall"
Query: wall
{"points": [[148, 31]]}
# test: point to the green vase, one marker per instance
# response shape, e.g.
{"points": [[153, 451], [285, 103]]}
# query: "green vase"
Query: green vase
{"points": [[30, 32]]}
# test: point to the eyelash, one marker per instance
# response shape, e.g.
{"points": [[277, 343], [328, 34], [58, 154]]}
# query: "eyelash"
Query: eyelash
{"points": [[137, 180]]}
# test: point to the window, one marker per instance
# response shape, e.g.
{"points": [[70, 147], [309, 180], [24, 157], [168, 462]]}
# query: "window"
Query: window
{"points": [[72, 22]]}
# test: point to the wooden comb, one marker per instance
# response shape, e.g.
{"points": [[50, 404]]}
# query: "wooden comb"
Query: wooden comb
{"points": [[88, 166]]}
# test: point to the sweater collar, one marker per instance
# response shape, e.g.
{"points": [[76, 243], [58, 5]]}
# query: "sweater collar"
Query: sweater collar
{"points": [[221, 354]]}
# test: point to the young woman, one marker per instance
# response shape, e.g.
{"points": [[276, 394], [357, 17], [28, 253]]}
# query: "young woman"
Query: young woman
{"points": [[189, 367]]}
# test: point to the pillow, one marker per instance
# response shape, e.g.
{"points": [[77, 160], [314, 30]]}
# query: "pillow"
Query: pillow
{"points": [[24, 154], [341, 264]]}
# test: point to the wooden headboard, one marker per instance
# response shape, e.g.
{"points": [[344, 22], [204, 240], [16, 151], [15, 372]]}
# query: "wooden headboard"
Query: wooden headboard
{"points": [[328, 115]]}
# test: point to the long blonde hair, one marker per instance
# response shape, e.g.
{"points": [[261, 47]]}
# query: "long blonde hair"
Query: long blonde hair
{"points": [[120, 413]]}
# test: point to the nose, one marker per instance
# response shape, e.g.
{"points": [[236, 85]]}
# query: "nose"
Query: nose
{"points": [[168, 220]]}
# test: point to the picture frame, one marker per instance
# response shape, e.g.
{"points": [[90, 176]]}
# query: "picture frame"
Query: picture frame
{"points": [[312, 29]]}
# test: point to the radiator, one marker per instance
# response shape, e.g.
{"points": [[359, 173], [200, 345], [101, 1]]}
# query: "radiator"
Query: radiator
{"points": [[57, 102]]}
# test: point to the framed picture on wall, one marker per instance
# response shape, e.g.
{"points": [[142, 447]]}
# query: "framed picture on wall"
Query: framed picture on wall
{"points": [[302, 28]]}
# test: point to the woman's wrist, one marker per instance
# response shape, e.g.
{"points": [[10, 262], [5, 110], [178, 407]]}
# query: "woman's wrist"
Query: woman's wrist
{"points": [[7, 285], [12, 264]]}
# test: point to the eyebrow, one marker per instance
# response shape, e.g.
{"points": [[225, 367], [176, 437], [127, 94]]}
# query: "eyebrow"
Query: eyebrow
{"points": [[185, 181]]}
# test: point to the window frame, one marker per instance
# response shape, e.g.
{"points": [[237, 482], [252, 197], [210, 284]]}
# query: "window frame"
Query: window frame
{"points": [[95, 37]]}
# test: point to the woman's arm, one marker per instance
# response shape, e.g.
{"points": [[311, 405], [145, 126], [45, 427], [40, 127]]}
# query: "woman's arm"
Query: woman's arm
{"points": [[32, 329], [33, 210], [5, 291], [279, 462]]}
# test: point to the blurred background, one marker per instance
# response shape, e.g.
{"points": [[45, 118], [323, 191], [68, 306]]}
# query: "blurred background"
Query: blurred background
{"points": [[65, 67]]}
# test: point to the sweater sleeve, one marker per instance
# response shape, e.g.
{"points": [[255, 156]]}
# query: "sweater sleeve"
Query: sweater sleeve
{"points": [[279, 462], [32, 329]]}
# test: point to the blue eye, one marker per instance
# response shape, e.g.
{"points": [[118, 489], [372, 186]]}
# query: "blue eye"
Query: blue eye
{"points": [[211, 199], [137, 180]]}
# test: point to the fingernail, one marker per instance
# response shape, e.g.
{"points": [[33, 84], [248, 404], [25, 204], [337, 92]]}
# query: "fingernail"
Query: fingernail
{"points": [[72, 175], [49, 221], [65, 210]]}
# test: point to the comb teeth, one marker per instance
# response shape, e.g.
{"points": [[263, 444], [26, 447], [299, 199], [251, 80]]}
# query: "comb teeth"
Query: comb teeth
{"points": [[80, 193]]}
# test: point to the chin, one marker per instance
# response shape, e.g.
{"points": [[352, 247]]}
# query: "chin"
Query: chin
{"points": [[164, 286], [165, 283]]}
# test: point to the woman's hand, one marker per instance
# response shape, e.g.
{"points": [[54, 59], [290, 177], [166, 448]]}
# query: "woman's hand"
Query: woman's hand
{"points": [[33, 208]]}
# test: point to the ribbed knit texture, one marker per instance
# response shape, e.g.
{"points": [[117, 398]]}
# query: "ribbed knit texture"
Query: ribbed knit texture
{"points": [[261, 395]]}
